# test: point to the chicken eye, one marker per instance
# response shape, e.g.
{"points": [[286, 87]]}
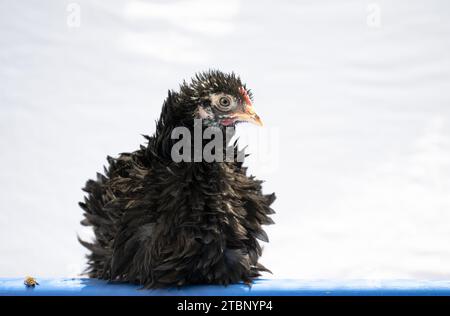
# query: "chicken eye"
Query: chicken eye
{"points": [[224, 102]]}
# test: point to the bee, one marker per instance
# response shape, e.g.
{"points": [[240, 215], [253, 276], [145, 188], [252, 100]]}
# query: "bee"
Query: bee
{"points": [[30, 282]]}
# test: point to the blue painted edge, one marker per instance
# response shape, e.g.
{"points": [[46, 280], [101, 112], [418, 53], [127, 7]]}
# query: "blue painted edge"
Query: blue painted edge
{"points": [[260, 287]]}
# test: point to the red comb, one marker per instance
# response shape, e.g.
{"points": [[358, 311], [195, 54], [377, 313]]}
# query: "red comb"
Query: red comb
{"points": [[245, 95]]}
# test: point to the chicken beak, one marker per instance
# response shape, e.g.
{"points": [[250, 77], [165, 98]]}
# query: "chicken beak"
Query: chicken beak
{"points": [[256, 120], [249, 115]]}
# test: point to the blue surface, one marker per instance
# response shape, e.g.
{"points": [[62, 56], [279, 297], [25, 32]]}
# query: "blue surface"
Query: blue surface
{"points": [[262, 287]]}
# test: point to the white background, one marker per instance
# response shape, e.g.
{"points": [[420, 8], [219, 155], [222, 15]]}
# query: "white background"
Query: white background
{"points": [[356, 109]]}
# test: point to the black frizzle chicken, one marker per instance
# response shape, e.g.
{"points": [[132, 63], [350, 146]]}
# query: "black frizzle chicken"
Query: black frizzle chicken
{"points": [[162, 223]]}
